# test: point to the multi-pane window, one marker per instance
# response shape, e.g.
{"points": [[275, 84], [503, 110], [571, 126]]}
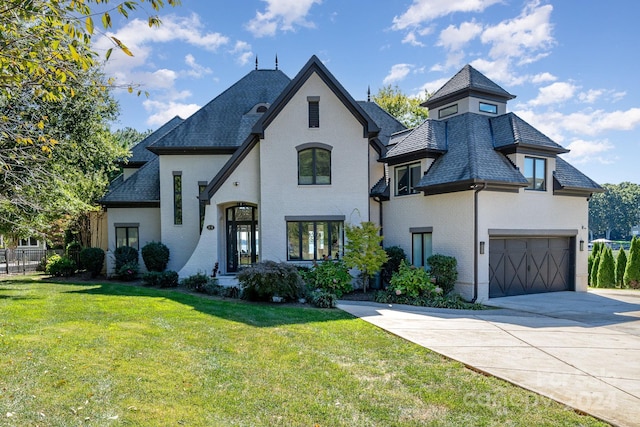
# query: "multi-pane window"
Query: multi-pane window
{"points": [[448, 111], [314, 240], [314, 166], [177, 198], [407, 177], [535, 171], [127, 236], [314, 111], [421, 248], [31, 241]]}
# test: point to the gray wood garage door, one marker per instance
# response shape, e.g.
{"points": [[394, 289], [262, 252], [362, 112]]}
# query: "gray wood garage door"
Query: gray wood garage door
{"points": [[520, 266]]}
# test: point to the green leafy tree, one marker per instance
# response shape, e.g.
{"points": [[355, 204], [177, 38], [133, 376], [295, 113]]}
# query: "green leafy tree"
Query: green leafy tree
{"points": [[363, 250], [621, 265], [614, 212], [403, 107], [606, 269], [593, 272], [632, 270]]}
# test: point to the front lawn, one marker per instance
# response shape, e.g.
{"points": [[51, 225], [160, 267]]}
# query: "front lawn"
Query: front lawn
{"points": [[112, 354]]}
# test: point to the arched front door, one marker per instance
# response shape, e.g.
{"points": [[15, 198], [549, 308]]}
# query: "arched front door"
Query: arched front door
{"points": [[242, 237]]}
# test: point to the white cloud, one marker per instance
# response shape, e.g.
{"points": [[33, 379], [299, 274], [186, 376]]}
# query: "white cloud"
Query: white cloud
{"points": [[397, 73], [243, 51], [583, 151], [526, 37], [283, 15], [411, 39], [454, 38], [196, 70], [162, 112], [555, 93], [543, 78], [499, 70], [433, 86], [424, 11]]}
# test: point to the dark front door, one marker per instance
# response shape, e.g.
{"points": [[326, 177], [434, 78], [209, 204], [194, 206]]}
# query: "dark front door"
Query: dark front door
{"points": [[520, 266], [242, 237]]}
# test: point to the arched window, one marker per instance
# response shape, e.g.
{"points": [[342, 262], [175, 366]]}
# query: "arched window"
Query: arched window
{"points": [[314, 164]]}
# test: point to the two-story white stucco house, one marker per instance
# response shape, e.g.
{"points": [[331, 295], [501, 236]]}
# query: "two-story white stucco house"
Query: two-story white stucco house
{"points": [[273, 168]]}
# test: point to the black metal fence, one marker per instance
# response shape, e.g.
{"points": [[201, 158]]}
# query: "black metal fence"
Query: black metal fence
{"points": [[23, 261]]}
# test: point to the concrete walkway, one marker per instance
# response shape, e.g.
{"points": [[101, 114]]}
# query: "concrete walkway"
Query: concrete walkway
{"points": [[581, 349]]}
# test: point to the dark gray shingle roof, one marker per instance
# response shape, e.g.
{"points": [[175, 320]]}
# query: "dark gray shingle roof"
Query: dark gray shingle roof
{"points": [[470, 156], [467, 80], [224, 121], [141, 187], [140, 154], [429, 136], [510, 130], [386, 122], [569, 178], [381, 189]]}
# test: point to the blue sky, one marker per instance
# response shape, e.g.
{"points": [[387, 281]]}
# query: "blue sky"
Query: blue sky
{"points": [[572, 64]]}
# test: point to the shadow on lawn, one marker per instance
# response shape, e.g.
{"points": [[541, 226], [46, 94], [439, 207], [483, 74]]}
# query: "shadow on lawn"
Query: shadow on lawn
{"points": [[251, 313]]}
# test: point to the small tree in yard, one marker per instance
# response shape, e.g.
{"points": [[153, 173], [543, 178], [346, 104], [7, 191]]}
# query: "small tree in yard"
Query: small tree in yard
{"points": [[621, 264], [632, 271], [606, 269], [363, 250]]}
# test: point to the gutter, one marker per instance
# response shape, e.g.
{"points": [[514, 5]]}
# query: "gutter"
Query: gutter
{"points": [[477, 188]]}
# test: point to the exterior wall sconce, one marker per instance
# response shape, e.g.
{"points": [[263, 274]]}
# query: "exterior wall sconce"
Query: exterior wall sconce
{"points": [[482, 248], [211, 227], [236, 183], [581, 245]]}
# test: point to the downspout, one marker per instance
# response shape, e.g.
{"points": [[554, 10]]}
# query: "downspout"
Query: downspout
{"points": [[477, 188]]}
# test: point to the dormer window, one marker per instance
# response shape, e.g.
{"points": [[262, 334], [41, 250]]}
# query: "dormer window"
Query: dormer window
{"points": [[261, 109], [314, 111], [535, 170], [448, 111], [488, 108]]}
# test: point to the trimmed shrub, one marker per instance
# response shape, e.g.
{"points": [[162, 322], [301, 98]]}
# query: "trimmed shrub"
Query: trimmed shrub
{"points": [[593, 273], [396, 255], [453, 301], [621, 264], [162, 279], [92, 259], [128, 271], [606, 269], [632, 271], [330, 276], [590, 267], [267, 279], [155, 256], [198, 282], [60, 266], [411, 281], [445, 270], [323, 299], [125, 255]]}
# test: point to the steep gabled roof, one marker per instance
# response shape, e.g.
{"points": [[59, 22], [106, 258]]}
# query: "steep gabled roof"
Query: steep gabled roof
{"points": [[386, 122], [225, 122], [570, 181], [510, 132], [314, 65], [467, 81], [142, 189], [139, 153], [470, 159]]}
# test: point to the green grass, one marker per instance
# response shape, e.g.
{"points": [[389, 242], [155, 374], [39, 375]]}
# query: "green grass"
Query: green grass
{"points": [[110, 354]]}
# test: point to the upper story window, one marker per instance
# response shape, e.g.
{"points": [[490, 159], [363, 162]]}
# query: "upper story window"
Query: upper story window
{"points": [[448, 111], [314, 111], [535, 170], [407, 177], [314, 164], [177, 198], [488, 108]]}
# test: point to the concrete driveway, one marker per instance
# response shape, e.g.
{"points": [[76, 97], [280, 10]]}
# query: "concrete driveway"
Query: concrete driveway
{"points": [[579, 348]]}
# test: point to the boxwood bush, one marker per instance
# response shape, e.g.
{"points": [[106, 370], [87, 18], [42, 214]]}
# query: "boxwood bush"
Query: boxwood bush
{"points": [[125, 255], [445, 270], [155, 256], [162, 279], [60, 266], [92, 259]]}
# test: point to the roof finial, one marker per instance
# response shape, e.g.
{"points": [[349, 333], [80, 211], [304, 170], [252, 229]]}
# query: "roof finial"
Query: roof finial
{"points": [[276, 61], [256, 62], [369, 93]]}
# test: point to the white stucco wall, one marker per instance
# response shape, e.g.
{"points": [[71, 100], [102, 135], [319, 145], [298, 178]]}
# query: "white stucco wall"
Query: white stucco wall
{"points": [[148, 220], [182, 239], [242, 186], [348, 193]]}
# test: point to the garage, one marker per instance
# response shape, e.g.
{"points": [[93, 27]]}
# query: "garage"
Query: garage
{"points": [[521, 265]]}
